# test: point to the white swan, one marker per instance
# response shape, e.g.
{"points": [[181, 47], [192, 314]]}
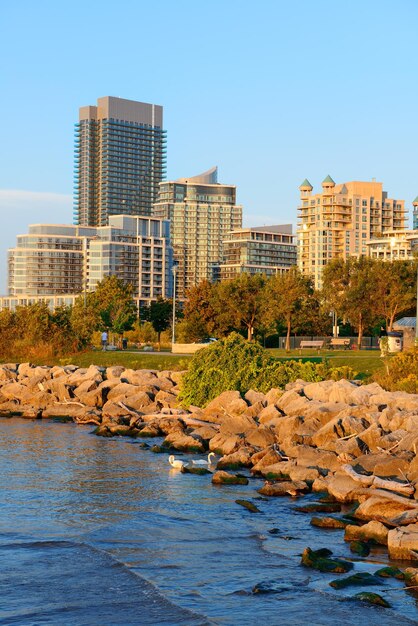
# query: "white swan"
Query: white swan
{"points": [[176, 462], [203, 462]]}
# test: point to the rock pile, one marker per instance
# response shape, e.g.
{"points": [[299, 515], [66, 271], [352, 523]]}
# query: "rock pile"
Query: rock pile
{"points": [[358, 443]]}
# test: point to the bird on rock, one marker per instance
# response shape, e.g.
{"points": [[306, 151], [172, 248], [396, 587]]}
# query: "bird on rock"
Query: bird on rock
{"points": [[204, 462]]}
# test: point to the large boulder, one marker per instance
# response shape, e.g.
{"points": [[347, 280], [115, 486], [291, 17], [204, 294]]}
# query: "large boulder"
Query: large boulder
{"points": [[372, 531], [319, 459], [185, 443], [403, 543], [269, 413], [224, 443], [342, 487], [254, 397], [319, 391], [384, 507], [227, 405], [240, 458], [284, 488], [260, 437]]}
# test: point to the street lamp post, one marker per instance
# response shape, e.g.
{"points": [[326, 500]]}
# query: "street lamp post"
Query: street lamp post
{"points": [[173, 336]]}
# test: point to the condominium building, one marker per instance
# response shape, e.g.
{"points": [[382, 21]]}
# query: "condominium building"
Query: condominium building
{"points": [[119, 160], [201, 212], [337, 222], [55, 261], [415, 214], [394, 245], [264, 250]]}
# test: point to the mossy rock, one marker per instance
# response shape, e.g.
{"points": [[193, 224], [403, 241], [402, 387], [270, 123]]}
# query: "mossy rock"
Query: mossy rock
{"points": [[277, 476], [199, 471], [160, 449], [320, 507], [328, 522], [229, 466], [63, 419], [319, 560], [148, 433], [361, 548], [390, 572], [102, 431], [248, 505], [361, 578], [372, 598]]}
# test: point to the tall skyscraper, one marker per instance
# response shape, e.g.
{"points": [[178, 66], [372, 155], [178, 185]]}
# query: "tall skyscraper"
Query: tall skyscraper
{"points": [[415, 214], [201, 212], [337, 222], [119, 160]]}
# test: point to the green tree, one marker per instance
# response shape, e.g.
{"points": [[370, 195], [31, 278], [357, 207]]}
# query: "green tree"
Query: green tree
{"points": [[200, 317], [395, 288], [85, 319], [160, 312], [349, 287], [288, 295], [241, 302], [115, 305]]}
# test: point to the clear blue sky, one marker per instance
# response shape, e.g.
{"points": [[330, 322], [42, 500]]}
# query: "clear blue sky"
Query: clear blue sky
{"points": [[271, 91]]}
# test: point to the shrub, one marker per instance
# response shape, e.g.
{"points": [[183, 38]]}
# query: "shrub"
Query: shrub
{"points": [[400, 372], [236, 364]]}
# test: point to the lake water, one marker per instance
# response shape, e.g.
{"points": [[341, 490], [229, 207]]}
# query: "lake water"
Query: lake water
{"points": [[99, 531]]}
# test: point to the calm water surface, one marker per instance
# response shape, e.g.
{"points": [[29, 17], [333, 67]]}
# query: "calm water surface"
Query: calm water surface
{"points": [[98, 531]]}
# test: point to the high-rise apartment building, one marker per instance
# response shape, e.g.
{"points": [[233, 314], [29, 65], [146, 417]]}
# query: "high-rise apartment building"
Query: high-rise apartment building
{"points": [[201, 212], [119, 160], [337, 222], [55, 260], [265, 250]]}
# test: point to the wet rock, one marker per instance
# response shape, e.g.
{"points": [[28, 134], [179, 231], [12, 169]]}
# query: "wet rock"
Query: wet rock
{"points": [[320, 507], [328, 522], [320, 560], [225, 478], [373, 531], [248, 505], [190, 469], [361, 578], [160, 449], [359, 547], [284, 488], [372, 598], [390, 572]]}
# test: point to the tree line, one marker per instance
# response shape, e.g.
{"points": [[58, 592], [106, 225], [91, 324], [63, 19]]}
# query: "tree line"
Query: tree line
{"points": [[362, 292]]}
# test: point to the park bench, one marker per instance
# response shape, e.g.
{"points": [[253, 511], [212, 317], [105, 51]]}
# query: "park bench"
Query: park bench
{"points": [[340, 342], [311, 343]]}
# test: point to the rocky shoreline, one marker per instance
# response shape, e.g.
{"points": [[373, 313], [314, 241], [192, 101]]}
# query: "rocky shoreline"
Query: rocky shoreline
{"points": [[355, 443]]}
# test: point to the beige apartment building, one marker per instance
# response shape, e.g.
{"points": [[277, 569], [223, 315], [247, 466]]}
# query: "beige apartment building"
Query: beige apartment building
{"points": [[394, 245], [338, 221], [56, 262], [201, 212], [265, 250]]}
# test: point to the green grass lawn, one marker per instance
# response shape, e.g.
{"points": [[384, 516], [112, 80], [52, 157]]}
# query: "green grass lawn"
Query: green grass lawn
{"points": [[365, 362], [134, 360]]}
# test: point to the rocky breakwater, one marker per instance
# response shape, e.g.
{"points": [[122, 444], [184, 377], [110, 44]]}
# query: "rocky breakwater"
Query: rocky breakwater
{"points": [[357, 443]]}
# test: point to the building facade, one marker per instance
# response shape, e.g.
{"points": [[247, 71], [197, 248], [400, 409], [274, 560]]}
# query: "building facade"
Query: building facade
{"points": [[119, 160], [337, 222], [394, 245], [415, 214], [55, 261], [265, 250], [201, 212]]}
